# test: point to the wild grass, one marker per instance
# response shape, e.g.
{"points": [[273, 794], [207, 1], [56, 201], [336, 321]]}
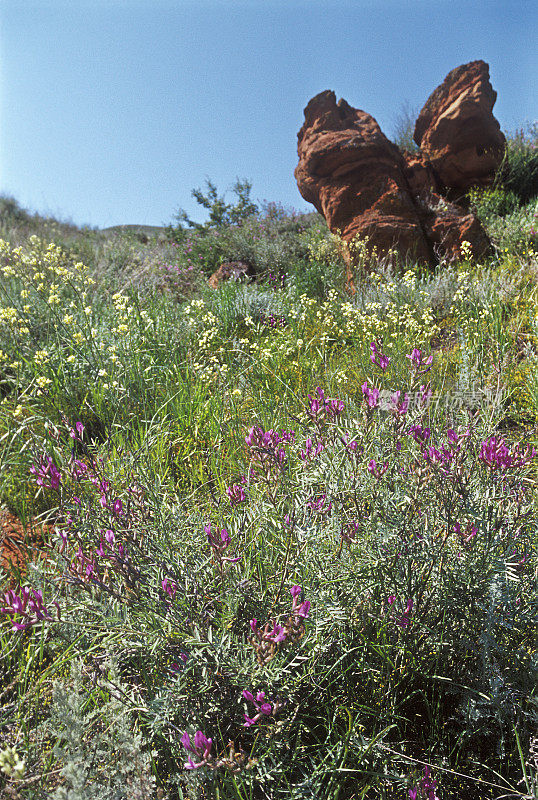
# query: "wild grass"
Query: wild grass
{"points": [[270, 488]]}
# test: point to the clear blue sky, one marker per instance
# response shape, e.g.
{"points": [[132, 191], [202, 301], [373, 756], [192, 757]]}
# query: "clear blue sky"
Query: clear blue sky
{"points": [[113, 110]]}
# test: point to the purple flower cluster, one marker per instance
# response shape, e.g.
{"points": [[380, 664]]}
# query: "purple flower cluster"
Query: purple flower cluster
{"points": [[268, 639], [419, 363], [311, 450], [404, 620], [236, 493], [270, 320], [377, 357], [201, 748], [467, 536], [425, 789], [263, 708], [105, 559], [496, 454], [446, 457], [371, 396], [267, 447], [47, 473], [319, 505], [377, 470], [321, 408], [219, 539], [24, 607]]}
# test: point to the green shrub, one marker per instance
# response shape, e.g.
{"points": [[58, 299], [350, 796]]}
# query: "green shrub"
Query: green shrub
{"points": [[519, 170]]}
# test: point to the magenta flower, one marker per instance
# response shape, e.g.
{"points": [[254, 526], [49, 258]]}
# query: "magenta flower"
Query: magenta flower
{"points": [[25, 604], [399, 407], [370, 395], [319, 506], [117, 507], [497, 455], [297, 608], [425, 395], [76, 432], [377, 357], [418, 361], [170, 587], [47, 473], [201, 749], [219, 541], [419, 434], [375, 470], [236, 494], [262, 707], [311, 450], [322, 407], [405, 620]]}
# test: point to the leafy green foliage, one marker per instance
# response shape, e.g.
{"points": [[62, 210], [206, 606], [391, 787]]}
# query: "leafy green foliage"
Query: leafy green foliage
{"points": [[221, 213], [519, 171], [209, 478]]}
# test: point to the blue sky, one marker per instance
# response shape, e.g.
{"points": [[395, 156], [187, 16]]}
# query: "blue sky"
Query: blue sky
{"points": [[113, 110]]}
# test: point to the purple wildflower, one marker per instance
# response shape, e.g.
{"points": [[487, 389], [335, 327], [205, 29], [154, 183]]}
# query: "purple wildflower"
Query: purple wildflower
{"points": [[25, 603], [370, 395], [377, 357], [201, 748]]}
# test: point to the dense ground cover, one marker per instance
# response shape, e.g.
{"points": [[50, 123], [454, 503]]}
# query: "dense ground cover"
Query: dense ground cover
{"points": [[293, 546]]}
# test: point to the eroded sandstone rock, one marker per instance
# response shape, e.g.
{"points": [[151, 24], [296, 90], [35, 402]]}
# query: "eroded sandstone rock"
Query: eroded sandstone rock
{"points": [[231, 271], [457, 132], [366, 187]]}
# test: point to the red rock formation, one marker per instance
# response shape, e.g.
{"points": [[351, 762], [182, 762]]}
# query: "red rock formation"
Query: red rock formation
{"points": [[231, 271], [366, 187], [457, 132]]}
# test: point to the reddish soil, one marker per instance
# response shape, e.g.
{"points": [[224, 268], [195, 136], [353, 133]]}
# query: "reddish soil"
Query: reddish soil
{"points": [[19, 545]]}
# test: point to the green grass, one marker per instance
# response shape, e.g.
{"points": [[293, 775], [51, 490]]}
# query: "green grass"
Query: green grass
{"points": [[169, 378]]}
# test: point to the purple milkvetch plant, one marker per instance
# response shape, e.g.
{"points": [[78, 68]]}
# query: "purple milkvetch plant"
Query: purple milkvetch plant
{"points": [[319, 506], [78, 469], [311, 451], [425, 790], [117, 507], [77, 432], [377, 357], [268, 447], [399, 407], [266, 640], [170, 587], [201, 749], [236, 494], [425, 394], [219, 541], [352, 446], [419, 363], [370, 395], [298, 608], [375, 470], [496, 454], [323, 408], [405, 620], [468, 536], [25, 604], [263, 707], [47, 473], [419, 434]]}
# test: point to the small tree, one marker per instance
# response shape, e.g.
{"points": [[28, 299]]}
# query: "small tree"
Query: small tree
{"points": [[221, 213]]}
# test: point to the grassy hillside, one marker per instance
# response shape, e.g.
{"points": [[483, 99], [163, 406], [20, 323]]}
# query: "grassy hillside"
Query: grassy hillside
{"points": [[292, 550]]}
